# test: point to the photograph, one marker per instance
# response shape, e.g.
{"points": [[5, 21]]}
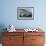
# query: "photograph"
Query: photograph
{"points": [[25, 13]]}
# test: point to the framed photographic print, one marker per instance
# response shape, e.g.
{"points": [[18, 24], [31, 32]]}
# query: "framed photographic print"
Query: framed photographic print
{"points": [[25, 13]]}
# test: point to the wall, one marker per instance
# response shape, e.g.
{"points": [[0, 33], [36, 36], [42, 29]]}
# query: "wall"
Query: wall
{"points": [[9, 13]]}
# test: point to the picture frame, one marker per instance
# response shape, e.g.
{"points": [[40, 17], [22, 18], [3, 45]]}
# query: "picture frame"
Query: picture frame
{"points": [[25, 13]]}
